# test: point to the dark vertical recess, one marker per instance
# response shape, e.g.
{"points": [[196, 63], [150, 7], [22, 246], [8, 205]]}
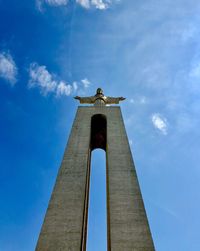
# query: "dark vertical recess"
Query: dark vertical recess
{"points": [[98, 132]]}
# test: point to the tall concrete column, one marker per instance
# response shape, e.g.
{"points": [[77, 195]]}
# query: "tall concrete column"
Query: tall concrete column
{"points": [[127, 221], [65, 221], [65, 224]]}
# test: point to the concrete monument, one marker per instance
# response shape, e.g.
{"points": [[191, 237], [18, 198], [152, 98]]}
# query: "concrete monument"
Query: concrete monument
{"points": [[65, 223]]}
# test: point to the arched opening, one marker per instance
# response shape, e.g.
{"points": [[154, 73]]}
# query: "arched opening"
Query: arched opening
{"points": [[98, 132], [97, 213]]}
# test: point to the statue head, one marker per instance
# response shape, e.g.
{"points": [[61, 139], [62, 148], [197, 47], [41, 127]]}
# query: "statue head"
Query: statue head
{"points": [[99, 91]]}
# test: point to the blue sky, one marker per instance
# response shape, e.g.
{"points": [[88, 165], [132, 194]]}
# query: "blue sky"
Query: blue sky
{"points": [[146, 51]]}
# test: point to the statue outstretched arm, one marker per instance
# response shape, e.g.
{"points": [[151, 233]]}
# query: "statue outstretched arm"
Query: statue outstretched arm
{"points": [[112, 100], [86, 100]]}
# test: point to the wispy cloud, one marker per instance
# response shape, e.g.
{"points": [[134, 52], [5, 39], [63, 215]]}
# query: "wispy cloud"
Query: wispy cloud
{"points": [[8, 68], [159, 122], [63, 89], [98, 4], [87, 4], [84, 3], [75, 86], [40, 77], [56, 3], [86, 83], [47, 82]]}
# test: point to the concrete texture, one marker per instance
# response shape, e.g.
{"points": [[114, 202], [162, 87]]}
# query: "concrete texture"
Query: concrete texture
{"points": [[65, 224]]}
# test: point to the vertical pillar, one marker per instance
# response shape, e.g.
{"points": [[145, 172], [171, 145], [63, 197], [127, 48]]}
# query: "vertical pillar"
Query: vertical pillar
{"points": [[64, 227], [127, 221]]}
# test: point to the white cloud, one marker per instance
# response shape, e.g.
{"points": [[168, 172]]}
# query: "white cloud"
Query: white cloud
{"points": [[63, 89], [8, 68], [40, 77], [159, 122], [86, 83], [56, 3], [100, 4], [75, 86], [84, 3], [87, 4]]}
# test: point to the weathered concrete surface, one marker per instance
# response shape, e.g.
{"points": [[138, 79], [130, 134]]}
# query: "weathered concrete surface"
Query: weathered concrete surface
{"points": [[128, 225], [65, 224]]}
